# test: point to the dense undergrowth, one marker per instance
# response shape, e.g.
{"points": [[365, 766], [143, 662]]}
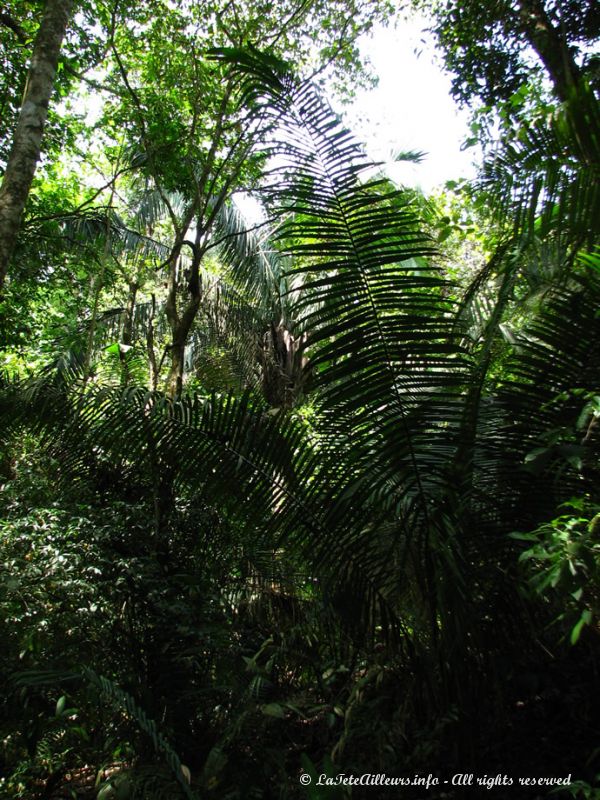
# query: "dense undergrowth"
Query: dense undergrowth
{"points": [[113, 639], [307, 502]]}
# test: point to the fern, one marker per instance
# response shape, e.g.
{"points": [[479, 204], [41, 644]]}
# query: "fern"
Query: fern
{"points": [[148, 726]]}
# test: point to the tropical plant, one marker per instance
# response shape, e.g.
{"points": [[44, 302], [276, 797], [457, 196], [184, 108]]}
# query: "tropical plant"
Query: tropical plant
{"points": [[311, 567]]}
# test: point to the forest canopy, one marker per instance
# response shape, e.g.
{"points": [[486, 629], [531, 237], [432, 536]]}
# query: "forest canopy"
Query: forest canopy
{"points": [[314, 494]]}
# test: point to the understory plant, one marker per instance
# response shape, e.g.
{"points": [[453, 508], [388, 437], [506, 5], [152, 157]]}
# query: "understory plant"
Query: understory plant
{"points": [[226, 591]]}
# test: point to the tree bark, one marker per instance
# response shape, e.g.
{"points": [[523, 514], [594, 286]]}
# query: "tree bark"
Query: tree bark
{"points": [[180, 332], [127, 332], [27, 140], [154, 365], [570, 87], [551, 48], [181, 324]]}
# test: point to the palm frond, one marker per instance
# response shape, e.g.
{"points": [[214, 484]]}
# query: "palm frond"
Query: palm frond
{"points": [[254, 265], [380, 336], [547, 400], [379, 322], [546, 180]]}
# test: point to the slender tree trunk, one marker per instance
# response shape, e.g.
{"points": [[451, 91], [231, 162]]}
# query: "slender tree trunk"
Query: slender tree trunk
{"points": [[127, 331], [181, 324], [97, 286], [27, 141], [154, 366], [181, 332]]}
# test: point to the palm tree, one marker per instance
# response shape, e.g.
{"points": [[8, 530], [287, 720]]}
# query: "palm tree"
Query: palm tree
{"points": [[396, 503]]}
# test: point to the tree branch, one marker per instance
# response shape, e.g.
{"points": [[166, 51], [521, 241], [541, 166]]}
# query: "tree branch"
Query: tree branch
{"points": [[8, 22]]}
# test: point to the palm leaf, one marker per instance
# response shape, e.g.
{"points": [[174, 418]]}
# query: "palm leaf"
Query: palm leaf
{"points": [[547, 424], [545, 180], [380, 333], [388, 363]]}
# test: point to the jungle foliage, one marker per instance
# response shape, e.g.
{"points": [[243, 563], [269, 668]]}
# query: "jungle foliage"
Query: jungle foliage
{"points": [[316, 493]]}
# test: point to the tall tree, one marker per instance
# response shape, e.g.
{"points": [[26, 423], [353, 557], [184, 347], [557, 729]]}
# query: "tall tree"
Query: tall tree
{"points": [[194, 145], [27, 141], [487, 45]]}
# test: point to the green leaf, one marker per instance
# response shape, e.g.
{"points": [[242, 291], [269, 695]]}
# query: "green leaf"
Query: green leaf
{"points": [[585, 619], [273, 710], [106, 792], [60, 705], [524, 537]]}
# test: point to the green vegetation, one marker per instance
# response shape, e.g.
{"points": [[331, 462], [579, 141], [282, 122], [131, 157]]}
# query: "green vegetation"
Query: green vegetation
{"points": [[311, 495]]}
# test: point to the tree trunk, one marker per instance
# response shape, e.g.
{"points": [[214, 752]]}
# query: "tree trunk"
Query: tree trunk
{"points": [[181, 324], [27, 141], [127, 332], [180, 331], [551, 47], [569, 86], [154, 366]]}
